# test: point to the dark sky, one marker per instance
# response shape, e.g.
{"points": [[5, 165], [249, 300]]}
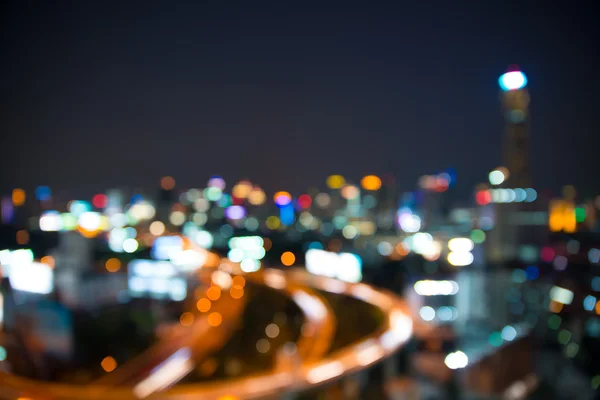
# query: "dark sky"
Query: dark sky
{"points": [[99, 94]]}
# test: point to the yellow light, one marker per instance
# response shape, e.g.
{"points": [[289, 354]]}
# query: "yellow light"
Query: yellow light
{"points": [[228, 397], [598, 307], [48, 260], [242, 189], [186, 319], [555, 306], [371, 182], [203, 305], [288, 258], [113, 264], [167, 183], [22, 237], [213, 293], [273, 222], [18, 197], [157, 228], [350, 192], [335, 181], [257, 197], [108, 364], [238, 281], [236, 292], [215, 319]]}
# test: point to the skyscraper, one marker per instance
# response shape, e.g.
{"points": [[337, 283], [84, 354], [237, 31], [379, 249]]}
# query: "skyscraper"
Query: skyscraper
{"points": [[504, 241], [515, 106]]}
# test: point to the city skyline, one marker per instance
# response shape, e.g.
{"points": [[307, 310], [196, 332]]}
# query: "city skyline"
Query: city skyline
{"points": [[285, 98]]}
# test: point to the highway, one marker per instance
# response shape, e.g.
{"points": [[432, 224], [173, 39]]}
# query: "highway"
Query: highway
{"points": [[154, 373]]}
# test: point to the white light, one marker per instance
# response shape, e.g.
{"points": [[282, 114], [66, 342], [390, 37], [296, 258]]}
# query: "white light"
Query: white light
{"points": [[427, 313], [33, 277], [325, 372], [166, 374], [512, 80], [22, 257], [275, 279], [130, 245], [310, 305], [343, 266], [368, 352], [460, 244], [460, 259], [384, 248], [496, 177], [445, 314], [90, 221], [436, 288], [177, 218], [50, 221], [142, 210], [456, 360], [204, 239], [157, 228], [409, 223], [236, 255], [221, 279], [561, 295], [509, 333], [118, 220], [249, 265], [165, 246], [189, 260]]}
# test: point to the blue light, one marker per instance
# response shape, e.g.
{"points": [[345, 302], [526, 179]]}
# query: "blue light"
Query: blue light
{"points": [[43, 193], [286, 214], [512, 80], [532, 272], [136, 198]]}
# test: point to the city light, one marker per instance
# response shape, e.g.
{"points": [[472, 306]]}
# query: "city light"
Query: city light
{"points": [[496, 177], [436, 288], [456, 360], [344, 266], [512, 80]]}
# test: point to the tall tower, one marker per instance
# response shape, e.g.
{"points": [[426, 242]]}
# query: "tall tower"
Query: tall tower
{"points": [[504, 240], [515, 107]]}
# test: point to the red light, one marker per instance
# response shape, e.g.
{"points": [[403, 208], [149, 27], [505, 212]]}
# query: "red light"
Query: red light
{"points": [[99, 200], [483, 197], [304, 201], [236, 201], [547, 254]]}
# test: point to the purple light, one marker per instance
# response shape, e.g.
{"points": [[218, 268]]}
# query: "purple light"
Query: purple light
{"points": [[7, 210], [282, 200], [216, 181], [235, 212]]}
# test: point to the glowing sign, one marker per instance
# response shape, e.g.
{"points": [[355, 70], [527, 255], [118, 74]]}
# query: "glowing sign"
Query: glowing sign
{"points": [[165, 247], [157, 279], [32, 277], [343, 266], [512, 80]]}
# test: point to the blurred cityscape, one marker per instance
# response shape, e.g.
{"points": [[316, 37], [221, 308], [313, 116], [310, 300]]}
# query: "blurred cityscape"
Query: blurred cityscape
{"points": [[350, 290]]}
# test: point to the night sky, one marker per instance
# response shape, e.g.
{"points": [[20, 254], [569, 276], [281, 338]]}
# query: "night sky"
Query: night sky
{"points": [[98, 94]]}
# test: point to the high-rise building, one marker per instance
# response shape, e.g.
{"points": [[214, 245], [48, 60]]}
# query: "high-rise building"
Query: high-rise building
{"points": [[504, 241], [515, 106]]}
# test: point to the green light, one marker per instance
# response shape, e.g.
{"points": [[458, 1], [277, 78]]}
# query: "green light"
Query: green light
{"points": [[554, 322], [69, 221], [580, 214], [495, 339], [564, 336], [478, 236], [596, 382], [571, 350], [2, 353]]}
